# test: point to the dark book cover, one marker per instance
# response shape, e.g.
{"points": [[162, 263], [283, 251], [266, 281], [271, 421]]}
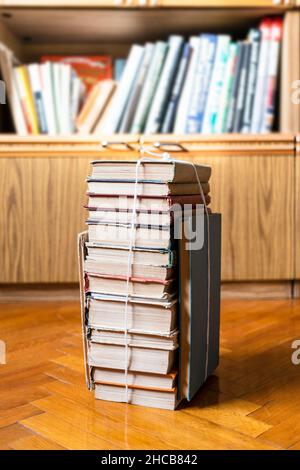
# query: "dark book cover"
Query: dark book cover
{"points": [[197, 362], [235, 88]]}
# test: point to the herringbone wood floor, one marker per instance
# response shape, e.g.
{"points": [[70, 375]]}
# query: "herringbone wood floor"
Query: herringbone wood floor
{"points": [[253, 401]]}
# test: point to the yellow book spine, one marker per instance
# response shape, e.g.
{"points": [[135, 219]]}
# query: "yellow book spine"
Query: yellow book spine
{"points": [[29, 101]]}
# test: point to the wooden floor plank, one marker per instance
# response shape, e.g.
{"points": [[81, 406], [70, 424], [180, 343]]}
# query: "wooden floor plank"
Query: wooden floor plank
{"points": [[36, 442], [252, 402]]}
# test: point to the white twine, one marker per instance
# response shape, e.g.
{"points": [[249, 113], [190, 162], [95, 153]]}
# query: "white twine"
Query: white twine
{"points": [[163, 156]]}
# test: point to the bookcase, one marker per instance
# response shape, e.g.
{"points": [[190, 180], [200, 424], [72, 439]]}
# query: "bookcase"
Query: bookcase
{"points": [[255, 178]]}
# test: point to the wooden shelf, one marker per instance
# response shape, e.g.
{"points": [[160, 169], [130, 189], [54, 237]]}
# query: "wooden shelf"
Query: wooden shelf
{"points": [[111, 25], [148, 3], [12, 145]]}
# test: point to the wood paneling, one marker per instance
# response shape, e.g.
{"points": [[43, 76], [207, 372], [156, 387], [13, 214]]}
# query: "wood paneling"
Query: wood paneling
{"points": [[40, 218], [290, 73], [257, 227], [297, 211], [42, 182], [246, 404]]}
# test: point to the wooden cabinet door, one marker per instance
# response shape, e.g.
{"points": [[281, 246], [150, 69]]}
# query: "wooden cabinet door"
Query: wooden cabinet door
{"points": [[255, 197], [297, 212], [41, 217]]}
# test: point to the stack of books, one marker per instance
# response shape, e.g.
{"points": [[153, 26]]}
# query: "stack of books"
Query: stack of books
{"points": [[150, 326]]}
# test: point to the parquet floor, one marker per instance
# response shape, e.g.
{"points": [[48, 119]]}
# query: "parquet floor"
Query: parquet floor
{"points": [[253, 401]]}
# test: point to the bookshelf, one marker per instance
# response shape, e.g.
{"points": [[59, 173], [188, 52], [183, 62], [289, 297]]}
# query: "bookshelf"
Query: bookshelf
{"points": [[43, 179]]}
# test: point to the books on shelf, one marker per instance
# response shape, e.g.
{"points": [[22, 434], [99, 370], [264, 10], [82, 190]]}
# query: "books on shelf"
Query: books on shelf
{"points": [[210, 84], [165, 296]]}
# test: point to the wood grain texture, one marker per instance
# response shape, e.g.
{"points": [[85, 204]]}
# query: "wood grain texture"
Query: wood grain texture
{"points": [[245, 405], [257, 221], [257, 290], [43, 186], [290, 73], [297, 210], [43, 212]]}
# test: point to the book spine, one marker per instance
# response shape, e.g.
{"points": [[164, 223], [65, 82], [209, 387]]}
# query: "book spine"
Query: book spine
{"points": [[35, 82], [27, 99], [137, 89], [184, 101], [193, 116], [47, 91], [215, 89], [254, 38], [235, 88], [269, 109], [148, 90], [242, 89], [226, 89], [261, 84], [158, 108], [178, 84], [122, 93], [207, 73]]}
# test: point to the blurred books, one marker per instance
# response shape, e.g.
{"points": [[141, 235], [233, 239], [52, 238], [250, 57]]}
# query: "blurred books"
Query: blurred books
{"points": [[211, 84]]}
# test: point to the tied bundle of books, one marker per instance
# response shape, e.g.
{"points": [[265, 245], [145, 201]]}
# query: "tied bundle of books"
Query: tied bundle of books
{"points": [[150, 306]]}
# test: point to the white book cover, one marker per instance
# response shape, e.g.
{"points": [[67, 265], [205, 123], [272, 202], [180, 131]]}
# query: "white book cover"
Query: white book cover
{"points": [[18, 96], [262, 77], [48, 97], [149, 87], [57, 95], [75, 99], [156, 114], [34, 73], [184, 101], [66, 99], [123, 90], [224, 97], [216, 84], [137, 89]]}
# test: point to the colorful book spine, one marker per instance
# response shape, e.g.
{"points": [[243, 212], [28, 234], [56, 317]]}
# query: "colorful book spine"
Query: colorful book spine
{"points": [[226, 90], [27, 100], [269, 108], [208, 67], [217, 80]]}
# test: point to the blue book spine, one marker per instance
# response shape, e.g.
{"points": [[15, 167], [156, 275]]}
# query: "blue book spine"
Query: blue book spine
{"points": [[207, 72], [40, 112]]}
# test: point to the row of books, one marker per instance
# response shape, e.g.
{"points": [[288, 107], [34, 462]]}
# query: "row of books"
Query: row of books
{"points": [[164, 357], [209, 85]]}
